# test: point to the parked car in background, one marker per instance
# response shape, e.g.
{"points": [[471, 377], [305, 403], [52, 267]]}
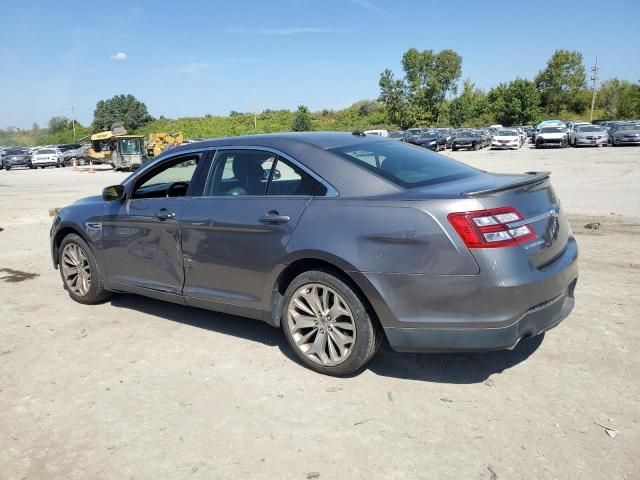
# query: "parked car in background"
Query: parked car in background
{"points": [[469, 139], [626, 134], [356, 239], [432, 140], [78, 154], [15, 157], [555, 135], [399, 135], [506, 138], [447, 133], [587, 134], [571, 130], [47, 157], [66, 147], [486, 136], [379, 133]]}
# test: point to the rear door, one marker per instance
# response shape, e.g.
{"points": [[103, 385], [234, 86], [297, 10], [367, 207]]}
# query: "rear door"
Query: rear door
{"points": [[235, 234]]}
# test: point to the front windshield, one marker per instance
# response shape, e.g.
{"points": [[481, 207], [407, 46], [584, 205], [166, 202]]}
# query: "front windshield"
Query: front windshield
{"points": [[467, 133], [552, 130], [15, 151], [429, 135], [507, 133], [45, 151], [589, 128], [396, 135], [629, 127], [130, 146]]}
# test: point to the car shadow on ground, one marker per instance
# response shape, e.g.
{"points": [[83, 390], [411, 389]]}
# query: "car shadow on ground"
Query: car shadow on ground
{"points": [[456, 368]]}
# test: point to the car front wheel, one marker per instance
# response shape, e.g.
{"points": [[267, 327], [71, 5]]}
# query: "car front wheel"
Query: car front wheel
{"points": [[327, 325], [79, 271]]}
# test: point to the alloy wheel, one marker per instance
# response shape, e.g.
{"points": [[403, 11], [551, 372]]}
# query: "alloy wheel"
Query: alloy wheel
{"points": [[321, 324], [76, 270]]}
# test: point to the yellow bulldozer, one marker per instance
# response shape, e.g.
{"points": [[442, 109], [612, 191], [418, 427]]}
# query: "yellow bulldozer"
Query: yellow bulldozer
{"points": [[115, 147], [159, 142]]}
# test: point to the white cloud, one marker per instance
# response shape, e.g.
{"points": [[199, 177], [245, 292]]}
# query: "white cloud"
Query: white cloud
{"points": [[369, 5], [285, 31], [119, 56]]}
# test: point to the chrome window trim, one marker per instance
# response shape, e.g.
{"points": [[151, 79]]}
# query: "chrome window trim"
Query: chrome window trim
{"points": [[331, 190]]}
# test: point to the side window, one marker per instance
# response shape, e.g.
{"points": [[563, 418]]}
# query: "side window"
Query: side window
{"points": [[240, 173], [288, 179], [170, 180]]}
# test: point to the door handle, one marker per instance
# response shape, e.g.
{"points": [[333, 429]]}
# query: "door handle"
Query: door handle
{"points": [[273, 217], [164, 214]]}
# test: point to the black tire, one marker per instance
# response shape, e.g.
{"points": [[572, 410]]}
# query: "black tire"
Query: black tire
{"points": [[475, 147], [7, 167], [454, 149], [538, 145], [368, 333], [31, 167], [97, 292]]}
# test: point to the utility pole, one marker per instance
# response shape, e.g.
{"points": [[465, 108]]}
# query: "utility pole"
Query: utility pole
{"points": [[255, 117], [73, 123], [594, 79]]}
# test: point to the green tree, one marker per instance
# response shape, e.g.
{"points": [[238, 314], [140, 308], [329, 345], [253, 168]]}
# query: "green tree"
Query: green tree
{"points": [[126, 109], [516, 103], [563, 77], [619, 99], [58, 124], [394, 98], [302, 120], [420, 97], [429, 78], [470, 108]]}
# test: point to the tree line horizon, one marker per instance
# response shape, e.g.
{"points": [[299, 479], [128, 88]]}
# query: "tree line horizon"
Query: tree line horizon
{"points": [[428, 94]]}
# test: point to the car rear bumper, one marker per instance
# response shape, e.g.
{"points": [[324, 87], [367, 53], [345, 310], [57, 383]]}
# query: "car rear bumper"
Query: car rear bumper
{"points": [[430, 313], [469, 338]]}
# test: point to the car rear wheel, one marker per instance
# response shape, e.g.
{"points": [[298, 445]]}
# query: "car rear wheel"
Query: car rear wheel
{"points": [[327, 325], [7, 167], [476, 146], [79, 271]]}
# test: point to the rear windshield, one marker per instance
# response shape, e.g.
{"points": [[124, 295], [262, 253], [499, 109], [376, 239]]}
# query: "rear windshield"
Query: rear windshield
{"points": [[405, 165]]}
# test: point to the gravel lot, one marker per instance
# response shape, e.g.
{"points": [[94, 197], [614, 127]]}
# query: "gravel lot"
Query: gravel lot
{"points": [[140, 389]]}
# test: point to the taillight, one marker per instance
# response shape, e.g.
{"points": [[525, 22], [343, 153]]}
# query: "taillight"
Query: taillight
{"points": [[489, 228]]}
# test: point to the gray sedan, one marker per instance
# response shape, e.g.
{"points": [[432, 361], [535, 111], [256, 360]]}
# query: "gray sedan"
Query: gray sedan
{"points": [[339, 239], [593, 135]]}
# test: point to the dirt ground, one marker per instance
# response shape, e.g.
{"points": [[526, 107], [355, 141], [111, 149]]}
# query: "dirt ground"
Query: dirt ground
{"points": [[140, 389]]}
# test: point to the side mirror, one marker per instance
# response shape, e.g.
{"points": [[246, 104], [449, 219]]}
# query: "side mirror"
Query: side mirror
{"points": [[276, 174], [114, 192]]}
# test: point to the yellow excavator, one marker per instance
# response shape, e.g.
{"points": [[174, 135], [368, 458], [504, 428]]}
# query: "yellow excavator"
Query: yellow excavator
{"points": [[159, 142], [115, 147]]}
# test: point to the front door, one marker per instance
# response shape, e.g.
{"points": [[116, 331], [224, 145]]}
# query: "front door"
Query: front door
{"points": [[141, 236], [236, 233]]}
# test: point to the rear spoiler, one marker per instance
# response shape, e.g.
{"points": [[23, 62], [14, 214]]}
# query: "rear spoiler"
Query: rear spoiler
{"points": [[535, 177]]}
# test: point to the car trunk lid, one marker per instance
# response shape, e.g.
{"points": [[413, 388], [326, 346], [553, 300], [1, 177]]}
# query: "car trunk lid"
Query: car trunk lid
{"points": [[534, 198]]}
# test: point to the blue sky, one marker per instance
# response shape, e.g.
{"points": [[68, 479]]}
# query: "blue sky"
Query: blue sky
{"points": [[192, 58]]}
